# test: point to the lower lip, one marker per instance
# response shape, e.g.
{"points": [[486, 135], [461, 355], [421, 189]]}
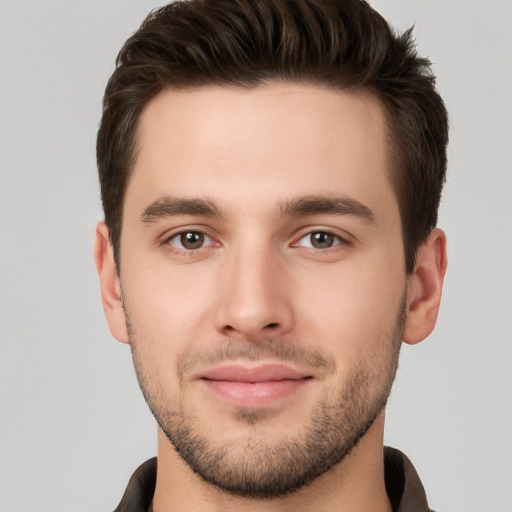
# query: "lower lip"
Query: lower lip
{"points": [[254, 394]]}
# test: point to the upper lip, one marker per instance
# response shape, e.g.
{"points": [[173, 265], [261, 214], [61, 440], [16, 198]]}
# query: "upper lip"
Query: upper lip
{"points": [[262, 373]]}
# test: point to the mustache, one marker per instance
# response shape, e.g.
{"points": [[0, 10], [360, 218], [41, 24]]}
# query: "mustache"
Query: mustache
{"points": [[285, 351]]}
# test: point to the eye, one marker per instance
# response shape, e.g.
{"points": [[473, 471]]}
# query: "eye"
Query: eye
{"points": [[320, 240], [189, 240]]}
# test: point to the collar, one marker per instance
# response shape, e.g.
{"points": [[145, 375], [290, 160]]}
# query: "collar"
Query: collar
{"points": [[403, 485]]}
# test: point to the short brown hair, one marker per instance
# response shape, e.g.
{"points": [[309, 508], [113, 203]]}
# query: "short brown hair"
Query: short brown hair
{"points": [[341, 44]]}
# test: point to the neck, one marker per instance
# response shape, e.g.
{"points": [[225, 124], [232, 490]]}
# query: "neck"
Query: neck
{"points": [[356, 484]]}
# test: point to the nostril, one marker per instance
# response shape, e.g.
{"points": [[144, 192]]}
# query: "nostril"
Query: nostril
{"points": [[271, 326]]}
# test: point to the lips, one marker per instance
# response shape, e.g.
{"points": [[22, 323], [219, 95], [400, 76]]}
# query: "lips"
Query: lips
{"points": [[263, 373], [253, 387]]}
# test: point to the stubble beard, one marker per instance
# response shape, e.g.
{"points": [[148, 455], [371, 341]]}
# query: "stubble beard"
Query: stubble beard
{"points": [[252, 465]]}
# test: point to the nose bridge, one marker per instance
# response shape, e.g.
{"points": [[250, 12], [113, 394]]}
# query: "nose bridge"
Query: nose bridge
{"points": [[254, 302]]}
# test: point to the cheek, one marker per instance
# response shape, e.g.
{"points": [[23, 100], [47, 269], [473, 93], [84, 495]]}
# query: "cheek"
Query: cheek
{"points": [[351, 311], [167, 306], [166, 319]]}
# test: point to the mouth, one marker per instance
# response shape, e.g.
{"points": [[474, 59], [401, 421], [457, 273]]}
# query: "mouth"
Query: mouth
{"points": [[254, 387]]}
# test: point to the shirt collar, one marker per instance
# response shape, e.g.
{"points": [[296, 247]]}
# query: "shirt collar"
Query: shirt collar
{"points": [[403, 485]]}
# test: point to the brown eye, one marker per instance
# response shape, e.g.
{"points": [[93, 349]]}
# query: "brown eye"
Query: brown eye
{"points": [[189, 240], [192, 240], [320, 240]]}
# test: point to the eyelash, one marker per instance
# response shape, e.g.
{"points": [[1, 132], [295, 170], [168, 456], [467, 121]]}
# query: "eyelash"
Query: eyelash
{"points": [[183, 250], [338, 241]]}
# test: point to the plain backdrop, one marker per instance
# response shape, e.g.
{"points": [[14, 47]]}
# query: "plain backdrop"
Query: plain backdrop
{"points": [[73, 424]]}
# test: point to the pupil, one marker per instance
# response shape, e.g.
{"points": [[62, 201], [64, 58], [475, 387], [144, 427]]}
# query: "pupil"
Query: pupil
{"points": [[192, 240], [321, 240]]}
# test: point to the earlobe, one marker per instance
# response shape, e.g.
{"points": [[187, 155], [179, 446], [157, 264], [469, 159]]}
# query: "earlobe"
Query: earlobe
{"points": [[109, 284], [425, 287]]}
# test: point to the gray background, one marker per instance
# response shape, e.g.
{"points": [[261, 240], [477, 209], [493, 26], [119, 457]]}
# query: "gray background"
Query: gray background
{"points": [[72, 422]]}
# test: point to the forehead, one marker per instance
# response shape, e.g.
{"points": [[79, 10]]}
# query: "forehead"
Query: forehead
{"points": [[278, 139]]}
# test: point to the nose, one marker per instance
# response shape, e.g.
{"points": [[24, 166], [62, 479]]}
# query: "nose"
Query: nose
{"points": [[255, 298]]}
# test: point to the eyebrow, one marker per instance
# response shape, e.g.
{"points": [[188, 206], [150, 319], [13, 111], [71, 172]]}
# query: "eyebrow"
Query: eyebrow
{"points": [[169, 206], [330, 204]]}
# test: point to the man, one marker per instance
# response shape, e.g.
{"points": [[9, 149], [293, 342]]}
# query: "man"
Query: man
{"points": [[270, 174]]}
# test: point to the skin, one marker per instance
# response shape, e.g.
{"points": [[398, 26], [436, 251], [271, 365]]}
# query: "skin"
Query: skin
{"points": [[256, 277]]}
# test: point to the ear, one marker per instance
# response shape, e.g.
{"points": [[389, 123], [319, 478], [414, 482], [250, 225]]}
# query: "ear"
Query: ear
{"points": [[109, 284], [424, 288]]}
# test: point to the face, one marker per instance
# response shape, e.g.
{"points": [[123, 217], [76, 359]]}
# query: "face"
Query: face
{"points": [[263, 278]]}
